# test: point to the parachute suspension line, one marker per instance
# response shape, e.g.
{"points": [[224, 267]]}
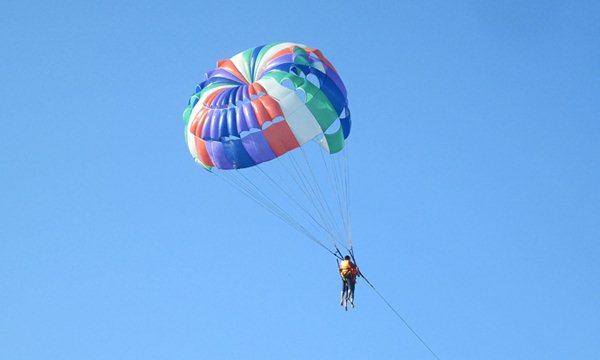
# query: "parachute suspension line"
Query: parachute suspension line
{"points": [[347, 193], [270, 201], [310, 194], [297, 175], [335, 185], [316, 199], [320, 191], [246, 188], [345, 196], [399, 316], [326, 206], [332, 181], [273, 209], [343, 173], [340, 189], [266, 203], [294, 200]]}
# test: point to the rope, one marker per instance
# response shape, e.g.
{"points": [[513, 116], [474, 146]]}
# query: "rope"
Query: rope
{"points": [[399, 316], [391, 307]]}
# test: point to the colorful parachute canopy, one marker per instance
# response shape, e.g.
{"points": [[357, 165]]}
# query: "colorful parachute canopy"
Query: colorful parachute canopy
{"points": [[264, 102]]}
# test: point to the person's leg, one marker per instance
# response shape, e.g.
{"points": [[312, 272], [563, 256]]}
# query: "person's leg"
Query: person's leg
{"points": [[344, 291], [351, 286], [346, 297]]}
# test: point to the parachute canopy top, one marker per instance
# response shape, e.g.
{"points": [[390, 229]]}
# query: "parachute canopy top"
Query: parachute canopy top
{"points": [[264, 102]]}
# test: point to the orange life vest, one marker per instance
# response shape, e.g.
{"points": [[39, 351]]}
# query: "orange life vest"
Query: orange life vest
{"points": [[346, 268]]}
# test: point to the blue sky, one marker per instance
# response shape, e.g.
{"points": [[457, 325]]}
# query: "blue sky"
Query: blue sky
{"points": [[474, 163]]}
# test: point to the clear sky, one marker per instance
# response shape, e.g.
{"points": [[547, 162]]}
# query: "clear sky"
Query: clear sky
{"points": [[475, 172]]}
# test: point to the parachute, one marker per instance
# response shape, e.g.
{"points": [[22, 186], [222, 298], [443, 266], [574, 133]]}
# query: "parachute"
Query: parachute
{"points": [[273, 121]]}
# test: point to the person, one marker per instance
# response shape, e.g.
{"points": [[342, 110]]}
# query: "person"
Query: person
{"points": [[348, 272]]}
